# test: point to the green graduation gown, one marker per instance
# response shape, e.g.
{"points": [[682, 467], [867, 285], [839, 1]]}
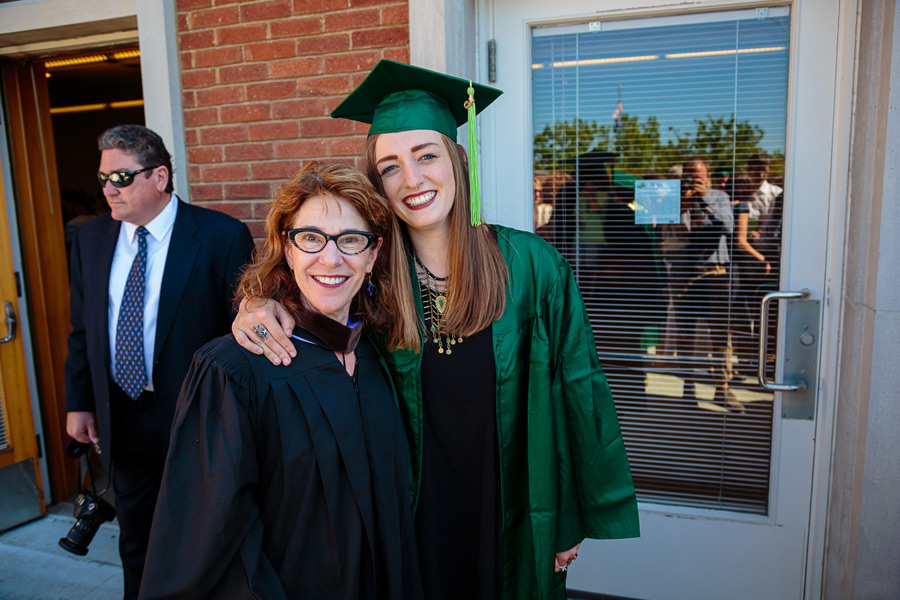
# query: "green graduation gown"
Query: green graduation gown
{"points": [[564, 474]]}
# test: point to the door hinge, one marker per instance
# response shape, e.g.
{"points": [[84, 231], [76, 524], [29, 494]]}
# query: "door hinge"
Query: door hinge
{"points": [[40, 446], [492, 61]]}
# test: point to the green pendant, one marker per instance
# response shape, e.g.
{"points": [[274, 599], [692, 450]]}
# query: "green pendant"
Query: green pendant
{"points": [[440, 303]]}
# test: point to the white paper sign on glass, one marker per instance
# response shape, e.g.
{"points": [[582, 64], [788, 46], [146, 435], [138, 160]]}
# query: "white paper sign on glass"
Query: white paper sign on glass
{"points": [[657, 201]]}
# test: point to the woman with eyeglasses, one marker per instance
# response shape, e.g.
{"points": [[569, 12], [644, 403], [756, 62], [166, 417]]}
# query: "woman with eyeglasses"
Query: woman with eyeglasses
{"points": [[294, 482], [513, 436]]}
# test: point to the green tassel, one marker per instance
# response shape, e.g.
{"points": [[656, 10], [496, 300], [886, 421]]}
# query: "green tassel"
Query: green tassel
{"points": [[474, 187]]}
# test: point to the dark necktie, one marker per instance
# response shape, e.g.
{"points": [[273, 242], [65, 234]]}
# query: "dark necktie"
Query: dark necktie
{"points": [[131, 372]]}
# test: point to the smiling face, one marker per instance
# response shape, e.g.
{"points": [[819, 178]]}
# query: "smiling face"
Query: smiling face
{"points": [[417, 177], [141, 201], [329, 280]]}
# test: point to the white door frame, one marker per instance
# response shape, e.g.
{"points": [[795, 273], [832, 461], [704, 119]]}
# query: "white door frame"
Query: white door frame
{"points": [[507, 199]]}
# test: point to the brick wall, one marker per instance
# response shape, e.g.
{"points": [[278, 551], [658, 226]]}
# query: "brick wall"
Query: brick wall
{"points": [[259, 78]]}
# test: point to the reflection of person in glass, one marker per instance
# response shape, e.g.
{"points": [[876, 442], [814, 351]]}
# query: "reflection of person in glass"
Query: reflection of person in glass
{"points": [[542, 210], [516, 448], [762, 203], [294, 482], [704, 298]]}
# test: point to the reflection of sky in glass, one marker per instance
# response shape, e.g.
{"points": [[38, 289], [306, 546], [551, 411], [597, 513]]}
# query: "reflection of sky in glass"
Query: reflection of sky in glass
{"points": [[750, 83]]}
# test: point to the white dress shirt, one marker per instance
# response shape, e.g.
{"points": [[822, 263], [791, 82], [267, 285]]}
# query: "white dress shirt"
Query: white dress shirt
{"points": [[160, 234]]}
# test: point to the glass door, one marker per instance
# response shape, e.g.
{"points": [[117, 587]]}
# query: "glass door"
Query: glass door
{"points": [[662, 164]]}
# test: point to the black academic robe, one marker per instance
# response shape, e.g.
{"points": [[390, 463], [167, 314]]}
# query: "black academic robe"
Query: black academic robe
{"points": [[284, 482]]}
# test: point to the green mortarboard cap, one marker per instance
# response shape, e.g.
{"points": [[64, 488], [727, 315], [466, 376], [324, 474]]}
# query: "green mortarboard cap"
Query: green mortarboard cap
{"points": [[400, 97]]}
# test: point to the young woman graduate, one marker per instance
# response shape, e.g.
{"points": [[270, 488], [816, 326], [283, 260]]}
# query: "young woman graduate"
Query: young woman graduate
{"points": [[515, 445], [293, 482]]}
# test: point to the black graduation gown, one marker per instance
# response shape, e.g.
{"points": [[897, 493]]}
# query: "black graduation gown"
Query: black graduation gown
{"points": [[281, 483]]}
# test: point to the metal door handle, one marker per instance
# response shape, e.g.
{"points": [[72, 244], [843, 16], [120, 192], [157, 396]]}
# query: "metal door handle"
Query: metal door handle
{"points": [[10, 323], [763, 335]]}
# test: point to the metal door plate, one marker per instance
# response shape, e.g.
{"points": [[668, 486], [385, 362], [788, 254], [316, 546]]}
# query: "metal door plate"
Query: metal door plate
{"points": [[19, 500], [801, 350]]}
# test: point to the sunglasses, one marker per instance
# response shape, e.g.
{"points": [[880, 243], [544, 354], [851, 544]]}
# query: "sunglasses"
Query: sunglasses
{"points": [[312, 241], [121, 179]]}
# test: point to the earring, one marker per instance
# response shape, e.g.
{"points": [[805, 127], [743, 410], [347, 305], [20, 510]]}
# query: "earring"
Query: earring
{"points": [[370, 289]]}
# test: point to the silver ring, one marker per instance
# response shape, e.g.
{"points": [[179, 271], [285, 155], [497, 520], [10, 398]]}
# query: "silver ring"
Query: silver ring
{"points": [[260, 331], [563, 568]]}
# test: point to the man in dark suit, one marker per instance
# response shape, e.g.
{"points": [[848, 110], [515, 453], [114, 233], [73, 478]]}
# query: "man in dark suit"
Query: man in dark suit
{"points": [[151, 283]]}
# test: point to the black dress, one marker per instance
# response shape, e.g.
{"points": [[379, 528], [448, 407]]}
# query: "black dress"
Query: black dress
{"points": [[458, 521], [284, 482]]}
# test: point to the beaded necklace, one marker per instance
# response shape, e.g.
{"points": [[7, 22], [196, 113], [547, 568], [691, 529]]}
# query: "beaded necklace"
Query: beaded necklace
{"points": [[433, 290]]}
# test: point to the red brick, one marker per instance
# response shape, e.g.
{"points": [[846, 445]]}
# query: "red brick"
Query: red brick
{"points": [[187, 60], [361, 3], [353, 62], [193, 173], [299, 149], [296, 27], [273, 90], [260, 11], [215, 17], [284, 169], [248, 152], [241, 34], [228, 134], [248, 191], [257, 230], [238, 210], [398, 54], [354, 146], [188, 100], [269, 50], [243, 113], [285, 130], [352, 19], [308, 6], [323, 44], [217, 56], [224, 173], [384, 36], [201, 116], [198, 78], [191, 137], [396, 14], [212, 191], [240, 73], [192, 40], [295, 67], [221, 95], [325, 127], [311, 107], [261, 209], [184, 5], [205, 154], [324, 86], [183, 22]]}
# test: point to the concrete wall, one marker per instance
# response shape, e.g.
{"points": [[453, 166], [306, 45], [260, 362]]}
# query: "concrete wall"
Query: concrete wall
{"points": [[862, 551]]}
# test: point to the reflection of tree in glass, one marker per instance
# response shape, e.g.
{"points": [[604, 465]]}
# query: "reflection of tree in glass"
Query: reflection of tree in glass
{"points": [[640, 147]]}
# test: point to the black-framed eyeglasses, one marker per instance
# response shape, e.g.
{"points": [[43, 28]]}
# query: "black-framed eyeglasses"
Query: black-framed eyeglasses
{"points": [[121, 179], [312, 241]]}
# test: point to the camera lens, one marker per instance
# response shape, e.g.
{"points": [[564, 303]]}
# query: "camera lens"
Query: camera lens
{"points": [[90, 513]]}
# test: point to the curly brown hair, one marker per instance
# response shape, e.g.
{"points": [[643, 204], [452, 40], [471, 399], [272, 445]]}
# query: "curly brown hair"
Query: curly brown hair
{"points": [[269, 276]]}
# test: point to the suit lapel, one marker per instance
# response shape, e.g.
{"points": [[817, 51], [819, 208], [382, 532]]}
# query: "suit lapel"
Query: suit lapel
{"points": [[96, 283], [183, 249]]}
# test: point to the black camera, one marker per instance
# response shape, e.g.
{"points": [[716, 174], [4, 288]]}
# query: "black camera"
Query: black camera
{"points": [[90, 510]]}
